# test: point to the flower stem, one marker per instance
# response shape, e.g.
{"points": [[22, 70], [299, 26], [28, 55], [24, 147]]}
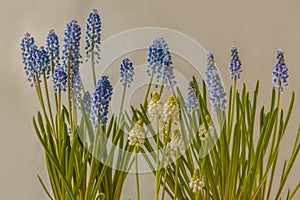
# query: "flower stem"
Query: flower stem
{"points": [[137, 175], [48, 99], [148, 90], [157, 182], [93, 67], [165, 180], [122, 102]]}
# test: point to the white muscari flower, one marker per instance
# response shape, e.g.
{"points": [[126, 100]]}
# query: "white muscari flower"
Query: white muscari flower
{"points": [[155, 107], [176, 144], [203, 132], [196, 183], [136, 135], [171, 110]]}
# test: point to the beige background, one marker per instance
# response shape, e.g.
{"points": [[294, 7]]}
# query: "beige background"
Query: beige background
{"points": [[257, 27]]}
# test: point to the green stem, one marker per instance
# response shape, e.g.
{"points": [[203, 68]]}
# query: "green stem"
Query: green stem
{"points": [[157, 161], [165, 180], [176, 176], [137, 175], [122, 102], [148, 90], [197, 195], [48, 100], [93, 67], [232, 109]]}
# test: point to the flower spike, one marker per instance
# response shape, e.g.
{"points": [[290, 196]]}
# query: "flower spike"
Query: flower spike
{"points": [[215, 88], [235, 65], [280, 72]]}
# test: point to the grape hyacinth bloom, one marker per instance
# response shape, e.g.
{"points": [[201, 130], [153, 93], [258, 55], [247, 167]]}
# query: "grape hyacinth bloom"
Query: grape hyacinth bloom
{"points": [[215, 88], [100, 101], [42, 62], [76, 88], [87, 102], [126, 72], [155, 107], [203, 131], [176, 144], [171, 110], [168, 73], [52, 48], [29, 49], [93, 37], [280, 72], [157, 52], [71, 51], [235, 65], [196, 184], [136, 136], [191, 100], [59, 79]]}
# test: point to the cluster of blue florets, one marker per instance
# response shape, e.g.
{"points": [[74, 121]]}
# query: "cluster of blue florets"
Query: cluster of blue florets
{"points": [[191, 100], [215, 87], [280, 72], [235, 65], [52, 48], [157, 52], [93, 36], [126, 72], [168, 73], [100, 101]]}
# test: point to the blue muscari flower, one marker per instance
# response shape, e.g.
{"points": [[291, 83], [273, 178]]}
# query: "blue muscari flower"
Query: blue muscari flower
{"points": [[29, 49], [235, 65], [42, 62], [280, 72], [191, 100], [71, 50], [126, 72], [215, 88], [157, 52], [93, 37], [100, 101], [87, 102], [168, 73], [52, 48], [76, 88], [60, 78]]}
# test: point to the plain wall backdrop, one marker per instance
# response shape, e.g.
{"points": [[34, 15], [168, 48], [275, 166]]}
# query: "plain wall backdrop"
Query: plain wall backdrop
{"points": [[258, 28]]}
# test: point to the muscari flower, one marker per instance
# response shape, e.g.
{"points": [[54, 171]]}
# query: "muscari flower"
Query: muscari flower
{"points": [[42, 62], [100, 101], [71, 48], [280, 72], [29, 49], [126, 72], [93, 37], [176, 144], [168, 74], [86, 100], [235, 65], [76, 88], [157, 52], [52, 48], [203, 132], [136, 136], [171, 110], [155, 107], [215, 88], [196, 183], [59, 79], [191, 100]]}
